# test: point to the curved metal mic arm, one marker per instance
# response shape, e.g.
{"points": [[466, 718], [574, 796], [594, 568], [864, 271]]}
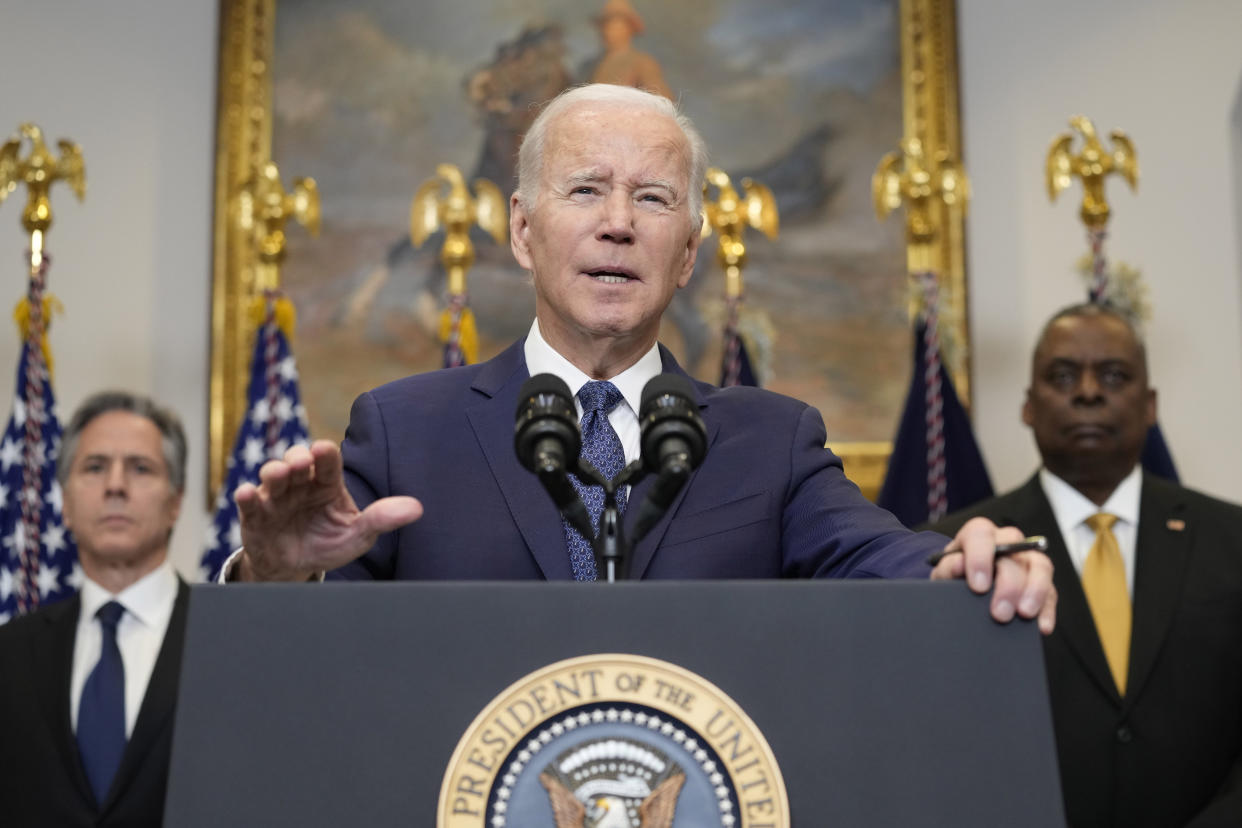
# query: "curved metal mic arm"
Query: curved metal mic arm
{"points": [[612, 552]]}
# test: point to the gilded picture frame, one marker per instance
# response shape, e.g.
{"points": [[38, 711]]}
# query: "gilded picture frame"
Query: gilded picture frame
{"points": [[929, 111]]}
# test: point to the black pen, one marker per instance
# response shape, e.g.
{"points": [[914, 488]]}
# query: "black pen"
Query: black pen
{"points": [[1035, 543]]}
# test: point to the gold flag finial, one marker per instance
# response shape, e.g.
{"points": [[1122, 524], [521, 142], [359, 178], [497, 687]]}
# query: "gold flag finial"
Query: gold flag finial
{"points": [[1092, 165], [445, 202], [38, 171], [263, 208], [906, 177], [729, 215]]}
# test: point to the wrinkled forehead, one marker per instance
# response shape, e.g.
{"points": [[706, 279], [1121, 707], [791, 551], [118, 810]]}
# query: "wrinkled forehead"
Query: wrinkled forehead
{"points": [[590, 134], [120, 434]]}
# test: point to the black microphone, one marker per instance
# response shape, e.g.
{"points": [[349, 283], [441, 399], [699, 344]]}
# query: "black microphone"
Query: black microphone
{"points": [[674, 441], [548, 442]]}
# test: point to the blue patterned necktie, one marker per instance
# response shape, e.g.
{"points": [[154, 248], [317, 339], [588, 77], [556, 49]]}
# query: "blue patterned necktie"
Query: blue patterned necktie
{"points": [[101, 713], [602, 447]]}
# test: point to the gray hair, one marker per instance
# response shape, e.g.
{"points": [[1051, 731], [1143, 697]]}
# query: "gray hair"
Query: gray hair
{"points": [[530, 155], [169, 424]]}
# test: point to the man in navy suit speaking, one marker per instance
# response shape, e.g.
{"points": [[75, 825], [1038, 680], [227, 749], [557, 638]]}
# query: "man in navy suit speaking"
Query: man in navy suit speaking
{"points": [[606, 218]]}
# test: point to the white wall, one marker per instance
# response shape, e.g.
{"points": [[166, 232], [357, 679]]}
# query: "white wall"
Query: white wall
{"points": [[133, 82], [1168, 73]]}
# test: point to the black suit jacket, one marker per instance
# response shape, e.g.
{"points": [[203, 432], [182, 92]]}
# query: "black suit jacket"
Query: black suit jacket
{"points": [[41, 778], [1170, 752]]}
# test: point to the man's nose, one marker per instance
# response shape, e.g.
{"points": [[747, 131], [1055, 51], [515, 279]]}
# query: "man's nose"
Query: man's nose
{"points": [[617, 222], [1089, 388], [116, 481]]}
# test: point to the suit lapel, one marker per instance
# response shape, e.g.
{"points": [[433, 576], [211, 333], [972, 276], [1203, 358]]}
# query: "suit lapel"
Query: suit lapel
{"points": [[1075, 624], [645, 550], [158, 703], [492, 419], [52, 664], [1160, 559]]}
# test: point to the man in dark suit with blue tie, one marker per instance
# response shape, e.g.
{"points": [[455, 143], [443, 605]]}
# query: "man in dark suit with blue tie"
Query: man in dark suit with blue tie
{"points": [[606, 218], [1145, 665], [87, 686]]}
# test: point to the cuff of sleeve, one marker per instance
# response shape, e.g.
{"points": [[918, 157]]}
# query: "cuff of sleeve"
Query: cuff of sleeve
{"points": [[227, 575]]}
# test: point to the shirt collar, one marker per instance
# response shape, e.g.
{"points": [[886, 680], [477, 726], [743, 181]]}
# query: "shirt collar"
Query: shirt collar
{"points": [[541, 358], [148, 598], [1072, 508]]}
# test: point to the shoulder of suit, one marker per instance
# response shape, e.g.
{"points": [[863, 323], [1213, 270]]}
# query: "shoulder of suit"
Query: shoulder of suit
{"points": [[751, 400], [24, 625], [426, 388], [1224, 510]]}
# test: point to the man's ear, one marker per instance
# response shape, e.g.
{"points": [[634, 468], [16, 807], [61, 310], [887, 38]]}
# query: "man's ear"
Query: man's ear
{"points": [[1027, 419], [519, 233], [1151, 407], [692, 251]]}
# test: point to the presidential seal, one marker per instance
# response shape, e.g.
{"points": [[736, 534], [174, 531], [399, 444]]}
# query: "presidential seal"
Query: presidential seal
{"points": [[612, 741]]}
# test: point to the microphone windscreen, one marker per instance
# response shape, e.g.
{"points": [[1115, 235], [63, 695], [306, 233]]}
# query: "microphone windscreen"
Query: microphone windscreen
{"points": [[665, 384], [542, 384]]}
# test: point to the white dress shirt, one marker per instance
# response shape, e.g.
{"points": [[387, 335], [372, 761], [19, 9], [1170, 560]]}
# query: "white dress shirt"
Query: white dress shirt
{"points": [[148, 604], [541, 359], [1072, 509]]}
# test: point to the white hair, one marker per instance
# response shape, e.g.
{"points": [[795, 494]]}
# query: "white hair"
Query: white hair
{"points": [[530, 155]]}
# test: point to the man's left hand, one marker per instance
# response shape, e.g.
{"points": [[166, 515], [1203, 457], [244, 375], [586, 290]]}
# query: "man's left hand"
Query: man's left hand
{"points": [[1023, 579]]}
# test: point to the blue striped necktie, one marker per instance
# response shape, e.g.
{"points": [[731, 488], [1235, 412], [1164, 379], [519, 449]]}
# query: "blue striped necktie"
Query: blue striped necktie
{"points": [[602, 447], [101, 712]]}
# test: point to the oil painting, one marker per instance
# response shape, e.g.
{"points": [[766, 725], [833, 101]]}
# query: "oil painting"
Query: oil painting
{"points": [[804, 96]]}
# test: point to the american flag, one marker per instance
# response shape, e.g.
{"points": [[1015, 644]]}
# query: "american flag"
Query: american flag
{"points": [[38, 560], [275, 420]]}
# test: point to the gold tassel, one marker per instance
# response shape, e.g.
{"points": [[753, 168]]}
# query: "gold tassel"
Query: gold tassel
{"points": [[21, 315], [285, 314], [468, 338]]}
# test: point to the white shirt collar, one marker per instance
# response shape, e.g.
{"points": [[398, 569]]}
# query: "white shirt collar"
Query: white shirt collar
{"points": [[542, 359], [149, 599], [1072, 508]]}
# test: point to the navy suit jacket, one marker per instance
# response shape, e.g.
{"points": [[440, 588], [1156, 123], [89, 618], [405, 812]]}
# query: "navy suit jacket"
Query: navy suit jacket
{"points": [[768, 501], [1168, 753]]}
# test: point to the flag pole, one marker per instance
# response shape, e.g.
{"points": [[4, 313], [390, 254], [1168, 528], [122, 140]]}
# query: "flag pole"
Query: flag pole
{"points": [[926, 188], [444, 202], [1092, 166], [729, 214], [274, 418], [45, 557]]}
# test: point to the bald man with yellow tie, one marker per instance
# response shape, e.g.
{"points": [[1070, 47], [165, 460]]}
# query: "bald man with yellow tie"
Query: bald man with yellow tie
{"points": [[1145, 665]]}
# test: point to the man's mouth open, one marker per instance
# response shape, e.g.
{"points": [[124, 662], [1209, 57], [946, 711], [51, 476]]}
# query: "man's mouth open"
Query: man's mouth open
{"points": [[610, 277]]}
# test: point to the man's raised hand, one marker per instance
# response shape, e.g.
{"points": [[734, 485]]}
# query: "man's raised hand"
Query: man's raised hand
{"points": [[301, 520]]}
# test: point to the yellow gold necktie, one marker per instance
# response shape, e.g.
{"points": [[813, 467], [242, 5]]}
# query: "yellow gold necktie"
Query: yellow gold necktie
{"points": [[1104, 581]]}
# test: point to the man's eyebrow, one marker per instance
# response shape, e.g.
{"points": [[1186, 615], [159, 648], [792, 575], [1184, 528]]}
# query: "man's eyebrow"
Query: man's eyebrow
{"points": [[585, 177], [128, 458], [659, 183]]}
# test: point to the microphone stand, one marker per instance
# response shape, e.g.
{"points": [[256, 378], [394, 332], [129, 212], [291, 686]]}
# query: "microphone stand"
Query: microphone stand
{"points": [[612, 551]]}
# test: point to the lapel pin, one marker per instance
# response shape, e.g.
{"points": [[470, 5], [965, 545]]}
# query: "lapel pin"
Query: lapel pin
{"points": [[1175, 524]]}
